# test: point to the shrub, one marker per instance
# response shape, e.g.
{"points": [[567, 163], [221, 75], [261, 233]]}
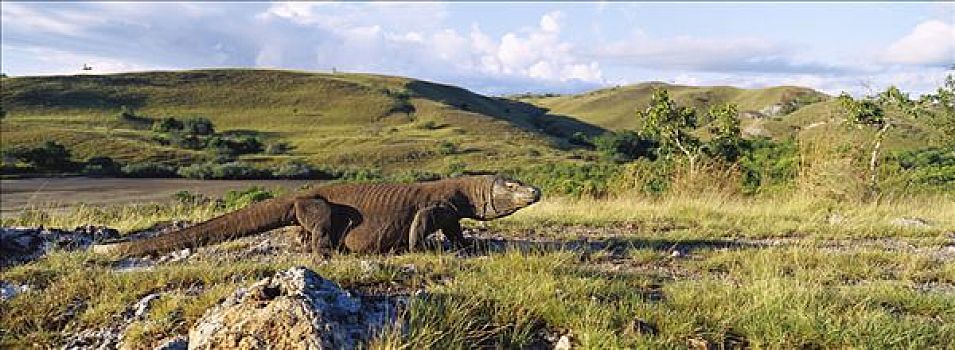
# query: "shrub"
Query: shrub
{"points": [[240, 199], [168, 124], [187, 141], [48, 156], [198, 126], [235, 146], [101, 166], [230, 171], [766, 163], [295, 170], [570, 178], [624, 146], [143, 170], [202, 171]]}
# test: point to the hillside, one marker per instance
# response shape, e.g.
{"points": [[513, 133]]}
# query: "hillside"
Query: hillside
{"points": [[778, 112], [614, 108], [344, 119]]}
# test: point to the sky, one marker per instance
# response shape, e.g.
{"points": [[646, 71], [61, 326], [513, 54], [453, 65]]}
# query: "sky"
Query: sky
{"points": [[501, 48]]}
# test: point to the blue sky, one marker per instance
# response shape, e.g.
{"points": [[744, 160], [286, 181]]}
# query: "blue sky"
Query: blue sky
{"points": [[501, 47]]}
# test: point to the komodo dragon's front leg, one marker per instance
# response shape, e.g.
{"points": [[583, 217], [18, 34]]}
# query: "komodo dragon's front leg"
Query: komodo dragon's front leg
{"points": [[431, 219], [315, 217]]}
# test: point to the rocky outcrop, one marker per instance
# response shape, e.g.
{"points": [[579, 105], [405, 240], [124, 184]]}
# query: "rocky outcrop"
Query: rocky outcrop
{"points": [[23, 244], [295, 309]]}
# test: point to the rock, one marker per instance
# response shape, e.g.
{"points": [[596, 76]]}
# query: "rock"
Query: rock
{"points": [[773, 110], [23, 244], [295, 309], [177, 343], [676, 253], [94, 339], [142, 306], [911, 222], [8, 290], [563, 343]]}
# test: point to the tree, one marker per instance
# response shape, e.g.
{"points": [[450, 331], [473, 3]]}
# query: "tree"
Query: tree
{"points": [[671, 125], [940, 107], [725, 127], [870, 111]]}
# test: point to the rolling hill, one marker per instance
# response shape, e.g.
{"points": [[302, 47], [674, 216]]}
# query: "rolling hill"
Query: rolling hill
{"points": [[778, 112], [341, 119], [366, 120]]}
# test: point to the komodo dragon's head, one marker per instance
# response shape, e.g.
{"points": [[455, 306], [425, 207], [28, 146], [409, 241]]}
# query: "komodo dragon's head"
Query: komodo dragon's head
{"points": [[504, 196]]}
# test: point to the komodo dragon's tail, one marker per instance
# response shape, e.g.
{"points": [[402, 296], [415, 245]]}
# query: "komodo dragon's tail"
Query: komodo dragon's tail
{"points": [[256, 218]]}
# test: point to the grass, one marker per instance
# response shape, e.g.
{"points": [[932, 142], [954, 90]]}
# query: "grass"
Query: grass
{"points": [[359, 119], [614, 108], [788, 278]]}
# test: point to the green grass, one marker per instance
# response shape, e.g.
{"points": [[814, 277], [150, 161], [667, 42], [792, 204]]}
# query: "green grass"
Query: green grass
{"points": [[615, 108], [358, 119], [763, 272]]}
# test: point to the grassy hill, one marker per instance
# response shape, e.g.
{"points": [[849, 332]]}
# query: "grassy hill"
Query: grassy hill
{"points": [[614, 108], [343, 119], [778, 112]]}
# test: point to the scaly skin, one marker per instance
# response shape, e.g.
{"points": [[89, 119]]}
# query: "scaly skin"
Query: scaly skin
{"points": [[361, 218]]}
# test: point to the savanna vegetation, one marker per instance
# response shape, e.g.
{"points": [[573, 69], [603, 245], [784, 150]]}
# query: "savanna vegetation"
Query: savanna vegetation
{"points": [[673, 216]]}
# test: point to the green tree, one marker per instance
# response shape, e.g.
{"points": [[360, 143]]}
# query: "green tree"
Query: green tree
{"points": [[672, 126], [727, 139], [870, 111], [940, 108]]}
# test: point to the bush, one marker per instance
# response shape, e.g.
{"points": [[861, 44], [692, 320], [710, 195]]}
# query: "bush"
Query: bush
{"points": [[230, 171], [169, 124], [295, 170], [101, 166], [198, 126], [202, 171], [144, 170], [239, 199], [766, 163], [187, 141], [571, 179], [624, 146], [234, 146], [48, 156]]}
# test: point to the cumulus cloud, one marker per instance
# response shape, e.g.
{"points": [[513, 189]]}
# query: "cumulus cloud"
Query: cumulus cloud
{"points": [[931, 43], [742, 54], [542, 53], [433, 52]]}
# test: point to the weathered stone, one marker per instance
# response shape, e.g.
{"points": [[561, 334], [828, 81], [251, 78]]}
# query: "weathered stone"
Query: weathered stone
{"points": [[563, 343], [177, 343], [295, 309]]}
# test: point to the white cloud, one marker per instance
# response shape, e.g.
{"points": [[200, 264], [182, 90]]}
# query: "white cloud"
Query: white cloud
{"points": [[931, 43], [550, 22], [47, 61]]}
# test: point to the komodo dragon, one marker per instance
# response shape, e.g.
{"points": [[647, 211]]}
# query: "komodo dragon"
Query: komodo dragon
{"points": [[362, 218]]}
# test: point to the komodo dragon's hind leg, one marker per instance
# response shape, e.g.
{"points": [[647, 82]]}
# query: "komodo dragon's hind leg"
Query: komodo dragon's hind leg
{"points": [[430, 219], [315, 217]]}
